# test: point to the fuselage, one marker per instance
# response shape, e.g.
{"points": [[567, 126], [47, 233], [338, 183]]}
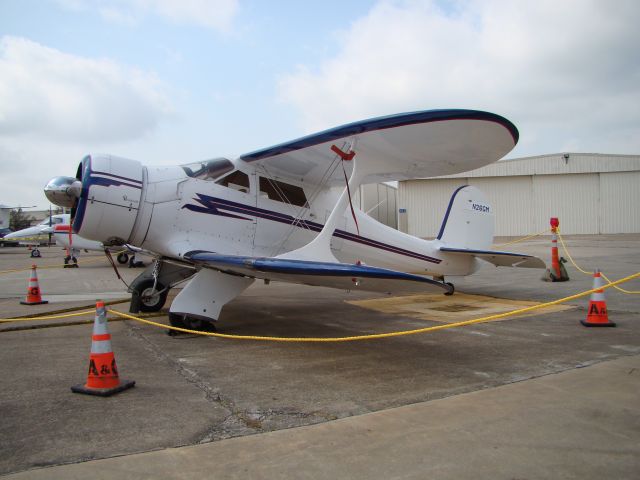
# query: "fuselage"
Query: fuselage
{"points": [[246, 212], [234, 208]]}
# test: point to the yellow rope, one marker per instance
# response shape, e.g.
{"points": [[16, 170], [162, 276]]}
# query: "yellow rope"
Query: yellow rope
{"points": [[378, 335], [522, 239], [47, 317], [566, 251]]}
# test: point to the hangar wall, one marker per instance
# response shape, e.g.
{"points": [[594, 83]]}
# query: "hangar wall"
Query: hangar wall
{"points": [[590, 193], [378, 201]]}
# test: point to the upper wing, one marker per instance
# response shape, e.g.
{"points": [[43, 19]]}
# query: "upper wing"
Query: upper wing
{"points": [[397, 147], [321, 274], [499, 259]]}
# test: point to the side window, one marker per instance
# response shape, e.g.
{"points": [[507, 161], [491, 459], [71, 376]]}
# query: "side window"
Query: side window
{"points": [[236, 180], [282, 192]]}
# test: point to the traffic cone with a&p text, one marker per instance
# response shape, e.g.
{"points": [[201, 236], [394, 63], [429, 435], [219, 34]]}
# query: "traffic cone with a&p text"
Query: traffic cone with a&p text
{"points": [[597, 314], [102, 379]]}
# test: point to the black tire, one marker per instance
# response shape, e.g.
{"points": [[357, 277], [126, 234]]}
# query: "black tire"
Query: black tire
{"points": [[453, 289], [181, 320], [35, 253], [198, 324], [151, 300], [122, 258], [176, 320]]}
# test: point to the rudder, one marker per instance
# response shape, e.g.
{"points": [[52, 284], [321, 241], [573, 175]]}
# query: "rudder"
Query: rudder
{"points": [[469, 221]]}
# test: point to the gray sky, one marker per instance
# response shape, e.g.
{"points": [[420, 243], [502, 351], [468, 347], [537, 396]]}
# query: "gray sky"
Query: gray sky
{"points": [[167, 81]]}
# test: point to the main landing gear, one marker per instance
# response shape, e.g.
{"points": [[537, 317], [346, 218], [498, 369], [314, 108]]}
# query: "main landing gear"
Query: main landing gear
{"points": [[150, 289], [151, 295], [70, 261]]}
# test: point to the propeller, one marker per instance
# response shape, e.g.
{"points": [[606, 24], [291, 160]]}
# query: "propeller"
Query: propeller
{"points": [[50, 224], [63, 191]]}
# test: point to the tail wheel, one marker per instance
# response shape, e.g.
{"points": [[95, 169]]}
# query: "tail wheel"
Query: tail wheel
{"points": [[151, 300], [453, 288]]}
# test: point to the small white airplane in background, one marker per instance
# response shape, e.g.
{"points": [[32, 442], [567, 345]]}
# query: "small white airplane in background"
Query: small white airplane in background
{"points": [[74, 244], [42, 228], [273, 214], [59, 225]]}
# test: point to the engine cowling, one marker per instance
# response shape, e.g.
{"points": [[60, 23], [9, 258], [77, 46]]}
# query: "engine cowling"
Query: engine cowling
{"points": [[110, 198]]}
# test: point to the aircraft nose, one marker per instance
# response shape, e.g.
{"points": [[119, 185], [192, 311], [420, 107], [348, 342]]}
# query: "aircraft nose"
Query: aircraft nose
{"points": [[63, 191]]}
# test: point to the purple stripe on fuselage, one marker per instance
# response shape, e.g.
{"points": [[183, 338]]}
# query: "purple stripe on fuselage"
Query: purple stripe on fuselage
{"points": [[212, 206], [117, 176]]}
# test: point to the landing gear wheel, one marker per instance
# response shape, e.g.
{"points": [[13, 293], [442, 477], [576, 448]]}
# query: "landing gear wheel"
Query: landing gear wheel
{"points": [[199, 324], [70, 262], [180, 320], [35, 253], [151, 300], [176, 320], [122, 258], [453, 289]]}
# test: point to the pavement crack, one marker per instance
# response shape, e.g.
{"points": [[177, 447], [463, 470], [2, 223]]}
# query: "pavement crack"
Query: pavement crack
{"points": [[235, 424]]}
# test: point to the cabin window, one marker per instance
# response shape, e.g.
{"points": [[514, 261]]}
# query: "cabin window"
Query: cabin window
{"points": [[283, 192], [237, 181], [208, 170]]}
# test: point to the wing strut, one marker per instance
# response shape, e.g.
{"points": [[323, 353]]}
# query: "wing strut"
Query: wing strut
{"points": [[347, 156], [319, 248]]}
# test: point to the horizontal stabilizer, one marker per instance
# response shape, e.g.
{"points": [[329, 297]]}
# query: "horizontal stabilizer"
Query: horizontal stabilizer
{"points": [[499, 259], [323, 274]]}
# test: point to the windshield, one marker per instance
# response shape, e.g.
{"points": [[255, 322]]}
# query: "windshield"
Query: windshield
{"points": [[208, 169]]}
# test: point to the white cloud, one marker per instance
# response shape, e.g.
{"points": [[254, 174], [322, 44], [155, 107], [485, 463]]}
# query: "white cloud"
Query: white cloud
{"points": [[214, 14], [50, 94], [565, 72]]}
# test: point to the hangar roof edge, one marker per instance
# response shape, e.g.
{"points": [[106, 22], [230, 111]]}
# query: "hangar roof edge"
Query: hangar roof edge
{"points": [[556, 164]]}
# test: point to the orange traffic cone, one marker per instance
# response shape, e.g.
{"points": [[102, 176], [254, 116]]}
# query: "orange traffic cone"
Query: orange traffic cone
{"points": [[597, 314], [33, 290], [102, 379]]}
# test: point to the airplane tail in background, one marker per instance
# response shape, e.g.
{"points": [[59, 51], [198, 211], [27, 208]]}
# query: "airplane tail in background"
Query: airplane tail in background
{"points": [[469, 221]]}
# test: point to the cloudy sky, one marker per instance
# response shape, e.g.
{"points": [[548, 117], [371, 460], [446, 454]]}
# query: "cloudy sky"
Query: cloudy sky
{"points": [[169, 82]]}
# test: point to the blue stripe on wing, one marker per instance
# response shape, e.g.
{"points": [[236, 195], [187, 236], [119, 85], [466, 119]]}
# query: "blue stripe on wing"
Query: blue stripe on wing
{"points": [[302, 267], [380, 123]]}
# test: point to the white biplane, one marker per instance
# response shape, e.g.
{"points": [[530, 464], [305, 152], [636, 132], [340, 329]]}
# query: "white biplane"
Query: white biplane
{"points": [[277, 215]]}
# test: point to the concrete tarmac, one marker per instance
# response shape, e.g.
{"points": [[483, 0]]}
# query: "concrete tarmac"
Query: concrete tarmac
{"points": [[581, 423], [529, 397]]}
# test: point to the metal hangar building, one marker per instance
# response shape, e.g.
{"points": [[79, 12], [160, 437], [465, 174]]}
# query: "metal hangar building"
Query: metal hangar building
{"points": [[590, 193]]}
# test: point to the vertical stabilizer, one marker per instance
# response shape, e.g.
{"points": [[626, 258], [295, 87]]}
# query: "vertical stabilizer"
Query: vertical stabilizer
{"points": [[469, 221]]}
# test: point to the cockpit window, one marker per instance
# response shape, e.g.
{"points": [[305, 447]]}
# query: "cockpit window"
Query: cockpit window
{"points": [[282, 192], [209, 169], [237, 181]]}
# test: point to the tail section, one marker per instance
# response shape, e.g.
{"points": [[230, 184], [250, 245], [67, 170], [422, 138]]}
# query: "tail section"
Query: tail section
{"points": [[469, 221], [467, 231]]}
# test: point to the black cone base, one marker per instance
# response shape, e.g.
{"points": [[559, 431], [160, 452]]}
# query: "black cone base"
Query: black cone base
{"points": [[103, 392]]}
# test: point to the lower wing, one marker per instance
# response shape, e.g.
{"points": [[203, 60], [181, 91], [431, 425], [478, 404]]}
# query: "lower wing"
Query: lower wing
{"points": [[322, 274]]}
